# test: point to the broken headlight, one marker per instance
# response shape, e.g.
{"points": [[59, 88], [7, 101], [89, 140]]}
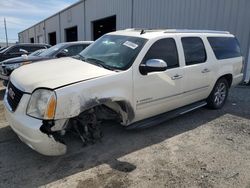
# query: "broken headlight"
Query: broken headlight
{"points": [[42, 104], [13, 66], [16, 65]]}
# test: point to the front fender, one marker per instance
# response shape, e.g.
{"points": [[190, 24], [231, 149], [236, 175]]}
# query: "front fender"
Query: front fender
{"points": [[74, 99]]}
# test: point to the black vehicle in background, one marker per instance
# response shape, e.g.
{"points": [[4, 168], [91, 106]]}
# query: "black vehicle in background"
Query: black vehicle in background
{"points": [[2, 48], [35, 53], [20, 49], [60, 50]]}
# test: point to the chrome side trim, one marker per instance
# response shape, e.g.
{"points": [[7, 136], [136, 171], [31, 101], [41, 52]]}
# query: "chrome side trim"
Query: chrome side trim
{"points": [[162, 98], [191, 109]]}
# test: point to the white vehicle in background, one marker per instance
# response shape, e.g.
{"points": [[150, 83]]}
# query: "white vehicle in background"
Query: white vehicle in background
{"points": [[138, 78]]}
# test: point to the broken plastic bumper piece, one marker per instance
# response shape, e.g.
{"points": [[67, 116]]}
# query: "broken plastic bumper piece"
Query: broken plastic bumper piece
{"points": [[28, 130]]}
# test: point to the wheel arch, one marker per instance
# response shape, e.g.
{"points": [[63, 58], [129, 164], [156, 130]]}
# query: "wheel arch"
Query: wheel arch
{"points": [[120, 106], [228, 77]]}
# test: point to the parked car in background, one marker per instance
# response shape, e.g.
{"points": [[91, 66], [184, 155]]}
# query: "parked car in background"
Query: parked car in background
{"points": [[20, 49], [138, 78], [2, 48], [60, 50], [35, 53]]}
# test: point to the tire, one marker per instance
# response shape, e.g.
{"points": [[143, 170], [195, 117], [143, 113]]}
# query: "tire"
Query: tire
{"points": [[218, 96]]}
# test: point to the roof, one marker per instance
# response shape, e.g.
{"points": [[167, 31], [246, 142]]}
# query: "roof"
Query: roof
{"points": [[31, 44], [152, 33], [77, 42]]}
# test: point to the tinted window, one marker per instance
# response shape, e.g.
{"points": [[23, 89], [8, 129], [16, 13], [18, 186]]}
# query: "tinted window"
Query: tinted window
{"points": [[31, 48], [14, 49], [225, 47], [35, 48], [27, 48], [194, 50], [166, 50], [76, 49]]}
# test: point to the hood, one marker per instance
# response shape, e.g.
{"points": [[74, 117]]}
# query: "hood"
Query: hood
{"points": [[55, 73], [23, 59]]}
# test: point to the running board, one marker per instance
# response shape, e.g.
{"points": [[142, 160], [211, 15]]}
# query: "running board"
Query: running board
{"points": [[156, 120]]}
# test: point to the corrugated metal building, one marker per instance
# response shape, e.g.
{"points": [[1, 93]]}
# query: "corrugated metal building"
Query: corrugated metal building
{"points": [[89, 19]]}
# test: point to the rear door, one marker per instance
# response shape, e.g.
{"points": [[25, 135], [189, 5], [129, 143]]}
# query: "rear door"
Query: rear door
{"points": [[197, 71]]}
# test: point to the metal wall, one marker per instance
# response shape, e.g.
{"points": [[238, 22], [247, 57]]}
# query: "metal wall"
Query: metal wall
{"points": [[31, 34], [98, 9], [71, 17], [230, 15], [53, 25]]}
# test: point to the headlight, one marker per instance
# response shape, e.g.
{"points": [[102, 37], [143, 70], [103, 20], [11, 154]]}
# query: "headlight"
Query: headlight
{"points": [[13, 66], [42, 104], [16, 65]]}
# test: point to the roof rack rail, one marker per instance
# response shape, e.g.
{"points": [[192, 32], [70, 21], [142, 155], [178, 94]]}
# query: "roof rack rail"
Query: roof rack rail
{"points": [[177, 30], [194, 31], [145, 29]]}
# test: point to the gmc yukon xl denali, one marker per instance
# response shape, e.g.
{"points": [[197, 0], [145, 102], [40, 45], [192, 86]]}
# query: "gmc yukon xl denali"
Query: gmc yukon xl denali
{"points": [[138, 78]]}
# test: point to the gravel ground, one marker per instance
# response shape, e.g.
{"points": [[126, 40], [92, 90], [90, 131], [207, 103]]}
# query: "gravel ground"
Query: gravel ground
{"points": [[205, 148]]}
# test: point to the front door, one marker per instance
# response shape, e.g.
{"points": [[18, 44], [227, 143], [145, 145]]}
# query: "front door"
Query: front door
{"points": [[159, 92]]}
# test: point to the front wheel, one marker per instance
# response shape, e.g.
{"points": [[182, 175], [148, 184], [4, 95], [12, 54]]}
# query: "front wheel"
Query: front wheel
{"points": [[218, 96]]}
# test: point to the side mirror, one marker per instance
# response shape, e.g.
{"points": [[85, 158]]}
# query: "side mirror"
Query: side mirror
{"points": [[63, 53], [23, 51], [24, 56], [153, 65]]}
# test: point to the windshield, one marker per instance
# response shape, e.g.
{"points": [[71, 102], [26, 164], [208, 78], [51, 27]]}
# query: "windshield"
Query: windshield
{"points": [[113, 51], [5, 49], [1, 49], [52, 50]]}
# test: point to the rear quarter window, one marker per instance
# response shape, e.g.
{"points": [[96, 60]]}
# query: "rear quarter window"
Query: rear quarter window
{"points": [[225, 47]]}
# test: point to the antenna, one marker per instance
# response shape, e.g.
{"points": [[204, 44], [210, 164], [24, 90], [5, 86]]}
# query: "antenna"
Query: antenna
{"points": [[142, 32]]}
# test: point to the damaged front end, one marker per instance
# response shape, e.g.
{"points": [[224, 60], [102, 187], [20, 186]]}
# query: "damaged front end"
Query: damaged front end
{"points": [[85, 126]]}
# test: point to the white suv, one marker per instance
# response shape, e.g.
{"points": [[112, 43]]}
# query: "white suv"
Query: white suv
{"points": [[136, 77]]}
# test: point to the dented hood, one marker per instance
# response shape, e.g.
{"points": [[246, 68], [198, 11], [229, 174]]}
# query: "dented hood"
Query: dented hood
{"points": [[55, 73]]}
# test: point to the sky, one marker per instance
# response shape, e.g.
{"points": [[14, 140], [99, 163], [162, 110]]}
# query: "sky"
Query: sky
{"points": [[21, 14]]}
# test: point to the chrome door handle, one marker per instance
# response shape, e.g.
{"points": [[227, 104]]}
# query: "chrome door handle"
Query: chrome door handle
{"points": [[176, 77], [205, 70]]}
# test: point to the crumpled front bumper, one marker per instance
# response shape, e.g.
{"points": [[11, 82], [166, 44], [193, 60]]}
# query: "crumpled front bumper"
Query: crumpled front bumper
{"points": [[28, 130]]}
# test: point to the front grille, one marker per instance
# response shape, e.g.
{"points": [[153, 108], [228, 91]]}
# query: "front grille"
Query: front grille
{"points": [[3, 70], [14, 96]]}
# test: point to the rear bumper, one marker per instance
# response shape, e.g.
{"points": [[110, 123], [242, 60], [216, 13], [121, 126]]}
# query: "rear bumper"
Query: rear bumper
{"points": [[237, 79], [28, 130]]}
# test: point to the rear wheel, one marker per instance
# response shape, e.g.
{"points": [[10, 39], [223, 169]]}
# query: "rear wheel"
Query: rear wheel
{"points": [[218, 96]]}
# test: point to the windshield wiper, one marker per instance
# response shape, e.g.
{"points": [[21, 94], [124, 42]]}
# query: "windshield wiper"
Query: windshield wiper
{"points": [[77, 57], [94, 61], [98, 63]]}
